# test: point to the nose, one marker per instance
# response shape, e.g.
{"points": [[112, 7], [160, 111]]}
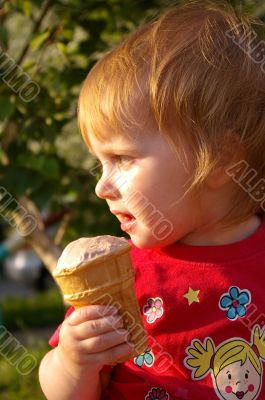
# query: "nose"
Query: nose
{"points": [[106, 188]]}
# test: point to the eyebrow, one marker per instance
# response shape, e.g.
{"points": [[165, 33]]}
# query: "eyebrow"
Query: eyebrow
{"points": [[117, 150]]}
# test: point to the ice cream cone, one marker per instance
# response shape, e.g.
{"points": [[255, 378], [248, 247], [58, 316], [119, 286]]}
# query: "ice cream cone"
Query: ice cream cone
{"points": [[99, 271]]}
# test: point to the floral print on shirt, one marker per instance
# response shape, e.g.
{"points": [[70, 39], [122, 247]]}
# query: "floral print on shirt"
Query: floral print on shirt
{"points": [[157, 394], [153, 309], [235, 302], [146, 358]]}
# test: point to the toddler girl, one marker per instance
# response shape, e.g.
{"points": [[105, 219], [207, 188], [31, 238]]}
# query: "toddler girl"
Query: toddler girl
{"points": [[175, 115]]}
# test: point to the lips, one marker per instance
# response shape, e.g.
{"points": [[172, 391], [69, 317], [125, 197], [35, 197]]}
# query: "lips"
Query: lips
{"points": [[123, 217], [240, 395], [127, 220]]}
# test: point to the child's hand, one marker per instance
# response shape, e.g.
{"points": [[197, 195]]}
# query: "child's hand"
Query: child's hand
{"points": [[91, 337]]}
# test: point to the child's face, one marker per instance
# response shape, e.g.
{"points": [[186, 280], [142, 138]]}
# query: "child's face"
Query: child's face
{"points": [[142, 181], [238, 381]]}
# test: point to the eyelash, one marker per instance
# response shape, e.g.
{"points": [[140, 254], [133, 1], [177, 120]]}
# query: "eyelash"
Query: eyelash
{"points": [[119, 160], [122, 159]]}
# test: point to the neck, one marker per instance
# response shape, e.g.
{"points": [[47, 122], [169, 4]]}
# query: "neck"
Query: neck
{"points": [[218, 236]]}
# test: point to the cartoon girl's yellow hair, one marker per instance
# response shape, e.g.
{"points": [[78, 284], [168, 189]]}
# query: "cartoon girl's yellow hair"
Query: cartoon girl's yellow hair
{"points": [[201, 356], [204, 357], [234, 351]]}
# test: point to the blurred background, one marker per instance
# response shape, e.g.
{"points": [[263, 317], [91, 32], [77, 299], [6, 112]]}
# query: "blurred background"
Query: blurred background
{"points": [[47, 177]]}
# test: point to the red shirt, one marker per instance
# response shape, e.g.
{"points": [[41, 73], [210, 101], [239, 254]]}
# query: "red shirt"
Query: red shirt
{"points": [[204, 311]]}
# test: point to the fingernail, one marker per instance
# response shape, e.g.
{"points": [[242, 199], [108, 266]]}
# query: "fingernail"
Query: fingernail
{"points": [[120, 323], [116, 320], [112, 310], [122, 331]]}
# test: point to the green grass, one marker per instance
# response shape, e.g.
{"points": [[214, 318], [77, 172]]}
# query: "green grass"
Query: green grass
{"points": [[22, 315], [14, 386], [41, 310]]}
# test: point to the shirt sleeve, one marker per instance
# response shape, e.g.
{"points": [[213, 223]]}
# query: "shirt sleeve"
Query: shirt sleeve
{"points": [[54, 340]]}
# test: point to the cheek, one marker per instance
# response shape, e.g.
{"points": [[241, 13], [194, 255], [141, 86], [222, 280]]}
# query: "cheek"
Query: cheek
{"points": [[251, 388], [228, 389]]}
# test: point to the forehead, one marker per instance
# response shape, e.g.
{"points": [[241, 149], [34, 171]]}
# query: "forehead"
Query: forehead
{"points": [[117, 142], [237, 366], [114, 101]]}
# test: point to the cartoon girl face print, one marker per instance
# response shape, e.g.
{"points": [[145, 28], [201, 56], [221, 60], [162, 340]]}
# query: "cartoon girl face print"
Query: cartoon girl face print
{"points": [[237, 381], [235, 365]]}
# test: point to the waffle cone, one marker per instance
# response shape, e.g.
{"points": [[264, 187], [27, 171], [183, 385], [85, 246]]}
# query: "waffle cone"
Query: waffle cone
{"points": [[107, 280]]}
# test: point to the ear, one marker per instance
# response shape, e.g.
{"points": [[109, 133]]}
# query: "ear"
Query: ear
{"points": [[230, 153], [217, 178]]}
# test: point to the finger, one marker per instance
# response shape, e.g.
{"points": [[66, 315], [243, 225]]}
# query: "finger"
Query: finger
{"points": [[115, 353], [105, 341], [91, 312], [97, 327]]}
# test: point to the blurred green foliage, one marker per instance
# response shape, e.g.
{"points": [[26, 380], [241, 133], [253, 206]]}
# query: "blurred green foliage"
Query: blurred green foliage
{"points": [[56, 42], [14, 386], [41, 310]]}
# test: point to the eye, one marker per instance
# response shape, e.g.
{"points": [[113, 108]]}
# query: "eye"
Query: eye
{"points": [[97, 169], [229, 376], [246, 375], [122, 160]]}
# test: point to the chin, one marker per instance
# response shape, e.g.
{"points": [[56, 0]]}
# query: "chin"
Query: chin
{"points": [[142, 242], [148, 242]]}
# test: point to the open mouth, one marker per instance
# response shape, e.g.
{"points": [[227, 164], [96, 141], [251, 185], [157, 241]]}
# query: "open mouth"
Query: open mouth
{"points": [[125, 217], [127, 221], [240, 395]]}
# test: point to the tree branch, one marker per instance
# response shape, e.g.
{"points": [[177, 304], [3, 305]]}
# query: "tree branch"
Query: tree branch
{"points": [[47, 5], [38, 239], [62, 229]]}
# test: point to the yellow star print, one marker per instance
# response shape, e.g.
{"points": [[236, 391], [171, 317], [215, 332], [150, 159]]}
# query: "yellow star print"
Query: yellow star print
{"points": [[192, 296]]}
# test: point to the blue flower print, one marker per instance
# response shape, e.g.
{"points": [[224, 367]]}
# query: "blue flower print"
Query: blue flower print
{"points": [[235, 301], [146, 358]]}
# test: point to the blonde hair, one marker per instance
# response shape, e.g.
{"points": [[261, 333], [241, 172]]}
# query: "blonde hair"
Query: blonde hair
{"points": [[203, 357], [184, 73], [235, 351]]}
